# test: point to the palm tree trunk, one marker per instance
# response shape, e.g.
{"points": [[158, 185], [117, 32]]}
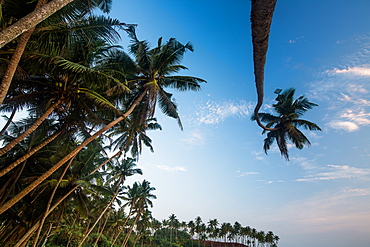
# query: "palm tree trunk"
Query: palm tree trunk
{"points": [[34, 126], [261, 17], [131, 228], [10, 119], [103, 212], [29, 154], [31, 20], [123, 227], [108, 160], [14, 61], [44, 176], [49, 203]]}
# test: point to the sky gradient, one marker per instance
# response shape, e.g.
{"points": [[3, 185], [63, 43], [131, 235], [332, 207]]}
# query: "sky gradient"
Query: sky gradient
{"points": [[216, 167]]}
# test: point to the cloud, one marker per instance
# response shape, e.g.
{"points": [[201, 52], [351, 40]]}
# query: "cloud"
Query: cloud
{"points": [[334, 172], [172, 169], [195, 138], [244, 174], [212, 113], [344, 125], [358, 71]]}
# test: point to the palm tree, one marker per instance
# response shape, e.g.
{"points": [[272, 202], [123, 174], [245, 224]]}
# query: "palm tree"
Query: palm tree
{"points": [[261, 18], [286, 124], [142, 202], [117, 176], [154, 67]]}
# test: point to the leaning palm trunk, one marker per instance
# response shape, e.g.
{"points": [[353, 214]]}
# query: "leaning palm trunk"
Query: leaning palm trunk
{"points": [[29, 154], [34, 126], [111, 158], [123, 227], [31, 20], [44, 176], [131, 228], [102, 213], [261, 17], [49, 203], [14, 61]]}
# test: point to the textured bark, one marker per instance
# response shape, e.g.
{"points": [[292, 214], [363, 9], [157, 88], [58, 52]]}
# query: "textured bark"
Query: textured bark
{"points": [[48, 173], [261, 18], [29, 154], [30, 129], [31, 20], [14, 61]]}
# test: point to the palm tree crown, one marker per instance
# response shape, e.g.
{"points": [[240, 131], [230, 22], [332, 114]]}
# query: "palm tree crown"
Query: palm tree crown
{"points": [[285, 125]]}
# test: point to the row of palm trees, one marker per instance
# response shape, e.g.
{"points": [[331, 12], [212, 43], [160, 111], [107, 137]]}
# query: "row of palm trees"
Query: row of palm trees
{"points": [[88, 105], [219, 232]]}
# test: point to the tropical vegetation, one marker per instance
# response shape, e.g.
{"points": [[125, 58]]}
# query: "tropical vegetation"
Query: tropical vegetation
{"points": [[78, 110], [285, 125]]}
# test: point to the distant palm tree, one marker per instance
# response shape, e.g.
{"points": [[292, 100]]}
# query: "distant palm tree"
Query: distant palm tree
{"points": [[285, 125]]}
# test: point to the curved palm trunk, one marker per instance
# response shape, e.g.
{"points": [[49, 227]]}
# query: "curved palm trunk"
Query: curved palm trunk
{"points": [[10, 119], [31, 20], [261, 17], [29, 154], [34, 126], [14, 61]]}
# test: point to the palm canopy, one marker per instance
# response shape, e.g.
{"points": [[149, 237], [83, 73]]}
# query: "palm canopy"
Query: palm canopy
{"points": [[151, 71], [285, 125]]}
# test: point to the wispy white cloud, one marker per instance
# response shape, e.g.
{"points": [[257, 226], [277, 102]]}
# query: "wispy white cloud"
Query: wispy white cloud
{"points": [[334, 172], [194, 138], [212, 112], [244, 174], [172, 169]]}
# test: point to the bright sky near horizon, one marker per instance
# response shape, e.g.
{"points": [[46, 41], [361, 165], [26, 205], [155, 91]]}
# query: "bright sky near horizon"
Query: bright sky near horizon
{"points": [[216, 167]]}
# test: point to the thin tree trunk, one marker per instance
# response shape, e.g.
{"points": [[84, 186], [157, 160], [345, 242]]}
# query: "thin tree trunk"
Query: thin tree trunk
{"points": [[131, 228], [49, 203], [103, 212], [14, 61], [31, 20], [105, 162], [10, 119], [34, 126], [44, 176], [123, 227], [29, 154]]}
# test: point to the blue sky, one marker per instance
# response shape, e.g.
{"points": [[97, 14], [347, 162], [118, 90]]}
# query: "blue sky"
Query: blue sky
{"points": [[216, 167]]}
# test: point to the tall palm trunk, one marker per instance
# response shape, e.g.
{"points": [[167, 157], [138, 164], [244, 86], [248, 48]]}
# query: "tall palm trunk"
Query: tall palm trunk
{"points": [[31, 20], [261, 17], [44, 176], [49, 203], [14, 61], [29, 154], [123, 226], [34, 126], [131, 228], [103, 212]]}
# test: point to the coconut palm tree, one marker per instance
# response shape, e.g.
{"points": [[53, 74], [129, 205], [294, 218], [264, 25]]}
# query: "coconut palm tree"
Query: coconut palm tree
{"points": [[261, 18], [153, 74], [285, 125]]}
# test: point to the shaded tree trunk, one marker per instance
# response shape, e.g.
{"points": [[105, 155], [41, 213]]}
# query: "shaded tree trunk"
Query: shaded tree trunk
{"points": [[31, 20]]}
